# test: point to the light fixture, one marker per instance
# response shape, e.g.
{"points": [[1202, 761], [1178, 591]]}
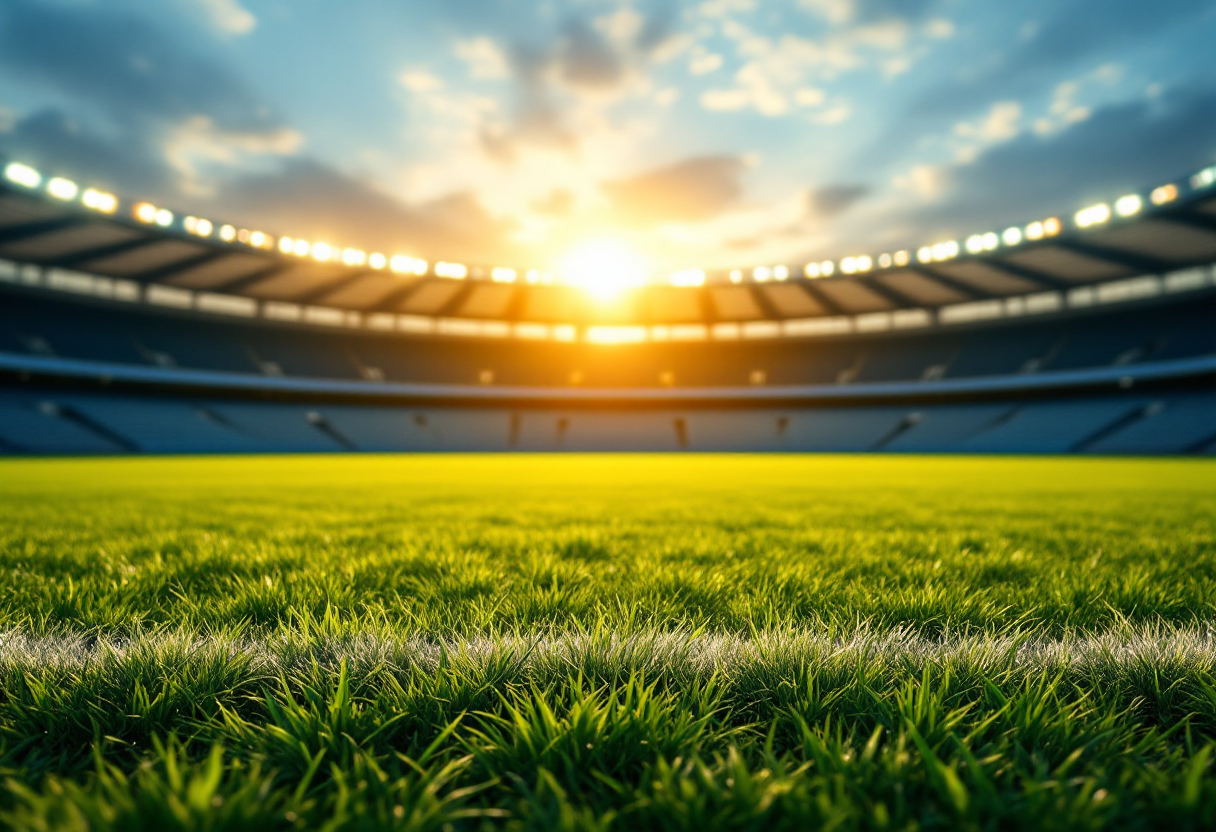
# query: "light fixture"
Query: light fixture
{"points": [[781, 272], [455, 271], [377, 261], [401, 264], [1011, 236], [61, 188], [501, 274], [811, 270], [688, 277], [1093, 215], [22, 175], [99, 201], [321, 252], [1127, 206], [228, 234], [1164, 194], [736, 275], [761, 274]]}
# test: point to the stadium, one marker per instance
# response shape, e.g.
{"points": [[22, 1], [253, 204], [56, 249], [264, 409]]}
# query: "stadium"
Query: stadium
{"points": [[132, 328], [599, 416]]}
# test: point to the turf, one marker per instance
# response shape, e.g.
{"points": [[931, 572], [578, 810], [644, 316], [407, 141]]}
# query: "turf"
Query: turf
{"points": [[617, 642]]}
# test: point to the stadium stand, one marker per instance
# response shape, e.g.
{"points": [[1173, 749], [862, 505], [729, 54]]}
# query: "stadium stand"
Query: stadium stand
{"points": [[127, 329]]}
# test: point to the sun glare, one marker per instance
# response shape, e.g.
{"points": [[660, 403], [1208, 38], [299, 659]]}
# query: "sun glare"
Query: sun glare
{"points": [[604, 269]]}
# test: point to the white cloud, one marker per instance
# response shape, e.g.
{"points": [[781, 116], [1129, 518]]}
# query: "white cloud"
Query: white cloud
{"points": [[1065, 110], [836, 115], [809, 97], [197, 142], [228, 16], [722, 8], [1001, 124], [484, 59], [705, 63], [940, 28], [420, 81], [926, 181], [777, 71]]}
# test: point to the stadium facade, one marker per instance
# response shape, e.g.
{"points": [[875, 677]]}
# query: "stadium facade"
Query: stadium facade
{"points": [[125, 327]]}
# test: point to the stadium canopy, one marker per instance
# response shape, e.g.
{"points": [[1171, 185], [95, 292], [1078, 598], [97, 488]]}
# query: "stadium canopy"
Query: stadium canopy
{"points": [[57, 224]]}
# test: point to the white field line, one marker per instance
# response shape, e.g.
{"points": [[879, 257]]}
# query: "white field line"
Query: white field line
{"points": [[658, 653]]}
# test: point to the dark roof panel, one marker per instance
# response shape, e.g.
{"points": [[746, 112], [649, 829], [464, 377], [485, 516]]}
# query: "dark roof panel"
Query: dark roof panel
{"points": [[1067, 265]]}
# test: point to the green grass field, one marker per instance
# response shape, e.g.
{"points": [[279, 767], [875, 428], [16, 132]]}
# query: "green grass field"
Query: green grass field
{"points": [[616, 642]]}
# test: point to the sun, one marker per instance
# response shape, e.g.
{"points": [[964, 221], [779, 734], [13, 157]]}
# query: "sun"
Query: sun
{"points": [[604, 268]]}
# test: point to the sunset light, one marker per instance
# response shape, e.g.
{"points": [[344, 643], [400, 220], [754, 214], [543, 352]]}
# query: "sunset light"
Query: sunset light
{"points": [[604, 268]]}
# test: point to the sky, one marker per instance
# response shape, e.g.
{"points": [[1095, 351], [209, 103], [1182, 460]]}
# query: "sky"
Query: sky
{"points": [[703, 134]]}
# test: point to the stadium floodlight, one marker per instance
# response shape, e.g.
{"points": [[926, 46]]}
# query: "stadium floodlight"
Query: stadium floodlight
{"points": [[454, 271], [827, 268], [924, 254], [1127, 206], [1011, 236], [901, 258], [761, 274], [532, 276], [197, 226], [945, 251], [145, 212], [286, 245], [501, 274], [1164, 194], [61, 188], [1204, 179], [1052, 226], [884, 261], [164, 217], [811, 270], [228, 234], [688, 277], [321, 252], [301, 248], [1093, 215], [23, 175], [736, 275], [354, 257], [975, 243], [377, 260], [99, 201], [1034, 231], [258, 239], [848, 265], [401, 264], [781, 272], [991, 241]]}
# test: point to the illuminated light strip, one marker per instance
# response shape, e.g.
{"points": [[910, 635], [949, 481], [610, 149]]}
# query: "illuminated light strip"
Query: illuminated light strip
{"points": [[101, 201], [62, 189], [23, 175], [1126, 206]]}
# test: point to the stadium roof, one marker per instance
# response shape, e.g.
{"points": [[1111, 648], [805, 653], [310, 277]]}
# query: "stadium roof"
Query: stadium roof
{"points": [[57, 223]]}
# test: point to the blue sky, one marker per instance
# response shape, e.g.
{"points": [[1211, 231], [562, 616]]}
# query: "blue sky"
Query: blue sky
{"points": [[712, 133]]}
